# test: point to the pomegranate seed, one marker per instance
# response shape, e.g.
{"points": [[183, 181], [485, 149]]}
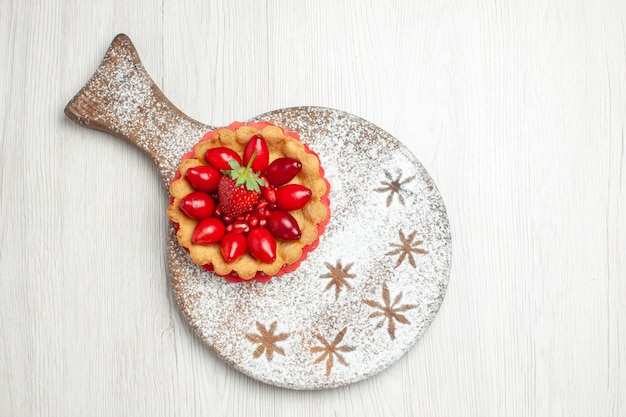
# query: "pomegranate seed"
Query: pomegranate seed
{"points": [[263, 212], [253, 221], [270, 194], [238, 227], [262, 222], [227, 219]]}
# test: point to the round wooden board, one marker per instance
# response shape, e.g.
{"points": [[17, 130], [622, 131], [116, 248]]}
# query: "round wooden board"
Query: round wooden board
{"points": [[364, 297], [360, 300]]}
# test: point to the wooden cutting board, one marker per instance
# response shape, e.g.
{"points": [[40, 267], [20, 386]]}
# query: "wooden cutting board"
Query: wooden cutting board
{"points": [[360, 301]]}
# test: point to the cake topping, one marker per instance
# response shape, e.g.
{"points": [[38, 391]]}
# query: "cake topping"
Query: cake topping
{"points": [[239, 189], [220, 157], [283, 225], [256, 155], [283, 170], [208, 231], [253, 204], [262, 245], [233, 245], [197, 205], [292, 197], [204, 178]]}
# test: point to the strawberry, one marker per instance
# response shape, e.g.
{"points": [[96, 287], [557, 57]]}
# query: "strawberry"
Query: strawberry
{"points": [[239, 189]]}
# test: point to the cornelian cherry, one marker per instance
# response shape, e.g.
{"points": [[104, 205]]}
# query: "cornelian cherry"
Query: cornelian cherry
{"points": [[283, 170], [292, 197], [283, 225], [208, 231], [197, 205], [233, 246], [203, 178], [256, 146], [262, 245], [219, 157]]}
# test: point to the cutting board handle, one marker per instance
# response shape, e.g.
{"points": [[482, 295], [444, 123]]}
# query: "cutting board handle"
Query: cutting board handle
{"points": [[122, 99]]}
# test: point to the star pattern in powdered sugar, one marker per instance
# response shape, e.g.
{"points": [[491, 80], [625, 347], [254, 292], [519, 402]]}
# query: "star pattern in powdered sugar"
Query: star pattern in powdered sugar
{"points": [[338, 275], [393, 187], [332, 350], [267, 341], [406, 248], [389, 311]]}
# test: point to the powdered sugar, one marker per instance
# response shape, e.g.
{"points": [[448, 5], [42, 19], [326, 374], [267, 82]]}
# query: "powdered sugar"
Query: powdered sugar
{"points": [[122, 99], [363, 239], [359, 301]]}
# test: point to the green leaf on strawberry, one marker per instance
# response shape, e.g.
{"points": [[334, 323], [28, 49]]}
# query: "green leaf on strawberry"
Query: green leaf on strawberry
{"points": [[245, 175]]}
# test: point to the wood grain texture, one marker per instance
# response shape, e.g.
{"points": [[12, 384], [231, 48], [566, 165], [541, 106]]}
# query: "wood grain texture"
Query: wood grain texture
{"points": [[517, 109]]}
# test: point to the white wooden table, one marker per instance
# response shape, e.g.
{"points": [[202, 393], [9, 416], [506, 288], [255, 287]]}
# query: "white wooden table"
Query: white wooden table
{"points": [[517, 109]]}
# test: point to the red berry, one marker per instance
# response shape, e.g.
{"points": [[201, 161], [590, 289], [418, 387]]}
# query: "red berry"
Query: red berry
{"points": [[235, 200], [233, 246], [197, 205], [283, 226], [208, 231], [262, 212], [262, 245], [283, 170], [262, 209], [239, 188], [238, 227], [270, 194], [257, 145], [219, 157], [203, 178], [292, 197], [253, 221]]}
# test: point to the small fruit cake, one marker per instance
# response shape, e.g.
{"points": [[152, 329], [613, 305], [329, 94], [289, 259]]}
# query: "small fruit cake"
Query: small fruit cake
{"points": [[250, 201]]}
